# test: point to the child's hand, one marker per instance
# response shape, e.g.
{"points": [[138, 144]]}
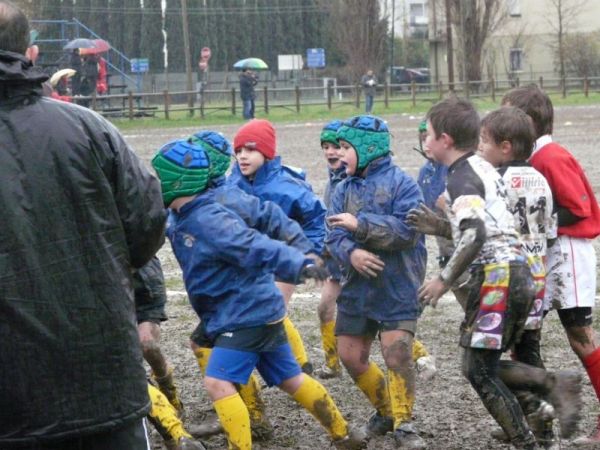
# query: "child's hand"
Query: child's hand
{"points": [[424, 220], [431, 291], [343, 220], [366, 263]]}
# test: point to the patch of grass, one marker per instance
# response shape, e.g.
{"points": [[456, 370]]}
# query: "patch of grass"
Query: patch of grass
{"points": [[311, 113], [173, 283]]}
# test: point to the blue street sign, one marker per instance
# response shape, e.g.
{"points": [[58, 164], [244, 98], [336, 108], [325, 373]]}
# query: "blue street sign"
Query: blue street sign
{"points": [[315, 58], [140, 65]]}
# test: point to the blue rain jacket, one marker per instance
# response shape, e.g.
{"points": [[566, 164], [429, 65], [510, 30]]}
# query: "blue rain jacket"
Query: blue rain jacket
{"points": [[284, 187], [380, 201], [432, 181], [335, 177], [228, 267]]}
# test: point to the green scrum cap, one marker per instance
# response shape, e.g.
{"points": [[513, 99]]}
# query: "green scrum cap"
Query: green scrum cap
{"points": [[183, 169], [219, 151], [369, 135], [329, 132]]}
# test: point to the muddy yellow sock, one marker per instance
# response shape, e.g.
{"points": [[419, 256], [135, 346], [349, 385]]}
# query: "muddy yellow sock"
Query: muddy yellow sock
{"points": [[402, 397], [235, 421], [295, 342], [330, 345], [374, 386], [163, 416], [202, 355], [315, 399], [418, 350], [250, 393]]}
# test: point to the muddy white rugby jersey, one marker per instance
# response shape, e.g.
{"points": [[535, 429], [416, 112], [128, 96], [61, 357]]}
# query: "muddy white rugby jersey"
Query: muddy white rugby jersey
{"points": [[475, 190], [530, 201]]}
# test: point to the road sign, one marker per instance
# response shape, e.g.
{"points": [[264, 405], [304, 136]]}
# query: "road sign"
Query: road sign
{"points": [[315, 58], [140, 65]]}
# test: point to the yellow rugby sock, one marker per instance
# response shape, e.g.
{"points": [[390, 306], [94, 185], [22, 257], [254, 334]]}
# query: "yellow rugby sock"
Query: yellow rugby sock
{"points": [[418, 350], [235, 421], [163, 416], [202, 355], [315, 399], [402, 397], [250, 393], [374, 386], [295, 342], [329, 342]]}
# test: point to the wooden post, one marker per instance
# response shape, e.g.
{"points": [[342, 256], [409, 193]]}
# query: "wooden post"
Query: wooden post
{"points": [[166, 101], [266, 99], [563, 84], [518, 81], [130, 105], [541, 82], [202, 100], [329, 95], [94, 100], [386, 95], [493, 86], [297, 90], [441, 89], [586, 87], [413, 92], [357, 96], [233, 101], [467, 90]]}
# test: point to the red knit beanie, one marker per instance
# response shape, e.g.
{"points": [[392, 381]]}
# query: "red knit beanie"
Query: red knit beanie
{"points": [[257, 134]]}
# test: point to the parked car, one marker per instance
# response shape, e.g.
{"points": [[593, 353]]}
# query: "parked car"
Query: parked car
{"points": [[405, 75]]}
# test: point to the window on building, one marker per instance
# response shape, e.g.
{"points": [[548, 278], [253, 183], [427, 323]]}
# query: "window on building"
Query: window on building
{"points": [[516, 59], [417, 10], [514, 8]]}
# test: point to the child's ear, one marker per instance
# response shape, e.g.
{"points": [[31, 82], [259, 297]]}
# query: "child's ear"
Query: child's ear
{"points": [[448, 140], [506, 147]]}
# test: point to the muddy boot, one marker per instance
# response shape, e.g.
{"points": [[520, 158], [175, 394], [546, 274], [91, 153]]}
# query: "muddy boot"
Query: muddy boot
{"points": [[209, 427], [354, 440], [593, 440], [325, 372], [167, 387], [378, 425], [425, 367], [565, 396], [527, 442], [406, 436], [540, 423]]}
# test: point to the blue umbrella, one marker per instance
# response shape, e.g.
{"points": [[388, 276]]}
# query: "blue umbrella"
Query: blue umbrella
{"points": [[80, 43]]}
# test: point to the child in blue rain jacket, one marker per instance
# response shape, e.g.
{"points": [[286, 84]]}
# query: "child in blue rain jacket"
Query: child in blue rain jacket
{"points": [[259, 172], [228, 269], [383, 263]]}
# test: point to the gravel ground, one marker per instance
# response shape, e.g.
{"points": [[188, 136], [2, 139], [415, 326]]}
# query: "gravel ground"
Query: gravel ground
{"points": [[447, 410]]}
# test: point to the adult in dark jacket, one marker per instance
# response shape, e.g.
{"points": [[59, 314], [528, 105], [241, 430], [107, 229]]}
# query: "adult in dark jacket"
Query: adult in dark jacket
{"points": [[247, 82], [80, 210], [75, 64]]}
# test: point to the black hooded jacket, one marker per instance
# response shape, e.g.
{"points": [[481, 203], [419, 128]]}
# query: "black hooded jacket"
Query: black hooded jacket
{"points": [[80, 210]]}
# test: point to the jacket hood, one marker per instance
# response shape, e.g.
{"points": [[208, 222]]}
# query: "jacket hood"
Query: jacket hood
{"points": [[18, 75]]}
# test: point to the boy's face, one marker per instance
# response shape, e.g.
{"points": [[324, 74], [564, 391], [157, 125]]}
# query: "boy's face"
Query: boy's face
{"points": [[332, 154], [495, 154], [348, 157], [249, 161], [435, 148]]}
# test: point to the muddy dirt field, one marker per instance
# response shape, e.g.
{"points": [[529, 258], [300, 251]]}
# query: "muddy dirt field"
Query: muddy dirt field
{"points": [[447, 411]]}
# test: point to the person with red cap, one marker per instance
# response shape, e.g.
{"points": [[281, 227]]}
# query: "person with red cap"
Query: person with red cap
{"points": [[259, 172]]}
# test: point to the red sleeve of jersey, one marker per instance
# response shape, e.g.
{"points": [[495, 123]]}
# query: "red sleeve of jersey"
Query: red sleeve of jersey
{"points": [[566, 179]]}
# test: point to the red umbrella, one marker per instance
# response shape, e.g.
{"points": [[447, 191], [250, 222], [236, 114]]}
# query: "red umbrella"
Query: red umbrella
{"points": [[101, 46]]}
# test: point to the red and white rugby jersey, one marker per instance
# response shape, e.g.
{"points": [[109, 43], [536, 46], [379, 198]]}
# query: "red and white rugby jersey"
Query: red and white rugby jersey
{"points": [[570, 187]]}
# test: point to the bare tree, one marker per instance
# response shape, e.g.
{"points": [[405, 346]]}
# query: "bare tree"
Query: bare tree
{"points": [[475, 21], [566, 13], [360, 33]]}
